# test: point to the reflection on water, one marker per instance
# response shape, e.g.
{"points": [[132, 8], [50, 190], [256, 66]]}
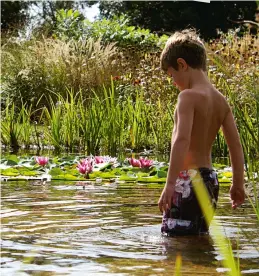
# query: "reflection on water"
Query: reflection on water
{"points": [[109, 229]]}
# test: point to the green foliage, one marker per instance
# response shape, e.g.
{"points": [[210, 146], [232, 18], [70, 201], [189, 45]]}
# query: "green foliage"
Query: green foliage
{"points": [[69, 24], [13, 14], [10, 127], [32, 69], [82, 109], [169, 16], [72, 25]]}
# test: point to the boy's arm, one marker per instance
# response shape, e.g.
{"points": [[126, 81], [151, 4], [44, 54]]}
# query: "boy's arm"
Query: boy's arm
{"points": [[237, 159], [180, 146]]}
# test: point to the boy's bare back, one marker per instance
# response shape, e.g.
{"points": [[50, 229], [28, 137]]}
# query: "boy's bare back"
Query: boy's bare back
{"points": [[210, 110]]}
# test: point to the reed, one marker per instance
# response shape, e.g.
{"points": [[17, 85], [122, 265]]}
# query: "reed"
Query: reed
{"points": [[53, 121], [10, 126]]}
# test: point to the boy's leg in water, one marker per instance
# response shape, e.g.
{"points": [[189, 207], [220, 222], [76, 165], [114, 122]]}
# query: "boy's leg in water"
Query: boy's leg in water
{"points": [[185, 215]]}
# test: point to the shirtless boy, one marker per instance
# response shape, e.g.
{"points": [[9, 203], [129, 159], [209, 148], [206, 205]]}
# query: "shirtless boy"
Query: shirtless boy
{"points": [[200, 112]]}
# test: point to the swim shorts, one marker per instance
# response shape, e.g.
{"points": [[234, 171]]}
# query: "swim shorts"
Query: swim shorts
{"points": [[185, 216]]}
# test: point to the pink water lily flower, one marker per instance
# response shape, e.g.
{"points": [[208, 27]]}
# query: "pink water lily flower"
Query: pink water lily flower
{"points": [[41, 160], [145, 163], [134, 162], [85, 166], [98, 159], [86, 161]]}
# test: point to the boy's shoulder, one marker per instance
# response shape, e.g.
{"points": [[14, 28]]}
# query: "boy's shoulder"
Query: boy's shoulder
{"points": [[195, 94], [190, 95], [197, 98]]}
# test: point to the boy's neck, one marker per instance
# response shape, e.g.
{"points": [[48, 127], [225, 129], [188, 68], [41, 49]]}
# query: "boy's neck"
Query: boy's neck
{"points": [[196, 78]]}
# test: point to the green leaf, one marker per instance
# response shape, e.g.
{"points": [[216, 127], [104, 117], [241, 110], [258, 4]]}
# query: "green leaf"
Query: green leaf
{"points": [[56, 171], [93, 175], [164, 168], [107, 166], [218, 166], [227, 174], [224, 180], [142, 174], [27, 172], [67, 176], [73, 171], [153, 179], [107, 175], [152, 173], [9, 172], [128, 178], [12, 160], [161, 174]]}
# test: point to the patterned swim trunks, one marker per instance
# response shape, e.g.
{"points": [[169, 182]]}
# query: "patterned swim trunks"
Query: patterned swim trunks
{"points": [[185, 216]]}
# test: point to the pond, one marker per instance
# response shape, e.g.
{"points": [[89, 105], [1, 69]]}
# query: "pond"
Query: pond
{"points": [[110, 229]]}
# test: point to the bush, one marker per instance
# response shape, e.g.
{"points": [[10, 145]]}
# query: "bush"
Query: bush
{"points": [[32, 69], [72, 25]]}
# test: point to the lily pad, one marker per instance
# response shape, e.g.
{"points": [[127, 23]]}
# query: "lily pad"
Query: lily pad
{"points": [[12, 160], [128, 178], [9, 172], [142, 174], [218, 166], [162, 174], [227, 174], [66, 176], [224, 180], [26, 172], [56, 171], [151, 179]]}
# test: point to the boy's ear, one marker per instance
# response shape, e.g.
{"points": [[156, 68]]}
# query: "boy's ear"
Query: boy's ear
{"points": [[182, 64]]}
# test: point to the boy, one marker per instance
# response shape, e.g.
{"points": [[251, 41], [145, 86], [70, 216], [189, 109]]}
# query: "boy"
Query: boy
{"points": [[200, 112]]}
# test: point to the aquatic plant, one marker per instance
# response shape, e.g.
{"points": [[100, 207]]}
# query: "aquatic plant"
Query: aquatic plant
{"points": [[145, 163], [98, 159], [41, 160], [134, 162], [85, 167]]}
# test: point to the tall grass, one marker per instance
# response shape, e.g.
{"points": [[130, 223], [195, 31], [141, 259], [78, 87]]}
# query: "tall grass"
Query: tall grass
{"points": [[33, 68], [53, 123], [91, 118], [10, 127]]}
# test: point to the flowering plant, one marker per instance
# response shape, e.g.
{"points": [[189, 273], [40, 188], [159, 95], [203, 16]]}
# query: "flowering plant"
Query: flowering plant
{"points": [[141, 163], [85, 166], [104, 159], [145, 163], [41, 160]]}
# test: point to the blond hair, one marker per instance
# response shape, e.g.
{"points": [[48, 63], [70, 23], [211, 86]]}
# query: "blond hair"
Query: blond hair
{"points": [[185, 44]]}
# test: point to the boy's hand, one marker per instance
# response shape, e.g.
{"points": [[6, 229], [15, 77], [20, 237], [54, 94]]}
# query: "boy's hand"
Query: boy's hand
{"points": [[237, 195], [165, 200]]}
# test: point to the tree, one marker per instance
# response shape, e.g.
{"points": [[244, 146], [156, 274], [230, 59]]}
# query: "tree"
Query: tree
{"points": [[13, 14], [168, 16]]}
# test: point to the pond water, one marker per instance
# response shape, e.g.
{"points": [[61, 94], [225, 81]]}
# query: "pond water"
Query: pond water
{"points": [[110, 229]]}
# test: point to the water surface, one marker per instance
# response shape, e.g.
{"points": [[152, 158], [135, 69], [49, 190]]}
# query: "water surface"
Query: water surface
{"points": [[110, 229]]}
